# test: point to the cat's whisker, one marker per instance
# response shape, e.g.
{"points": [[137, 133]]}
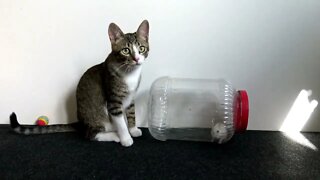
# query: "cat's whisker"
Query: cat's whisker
{"points": [[127, 69], [121, 65]]}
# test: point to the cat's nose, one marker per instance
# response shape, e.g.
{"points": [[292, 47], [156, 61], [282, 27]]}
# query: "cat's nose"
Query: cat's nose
{"points": [[136, 58]]}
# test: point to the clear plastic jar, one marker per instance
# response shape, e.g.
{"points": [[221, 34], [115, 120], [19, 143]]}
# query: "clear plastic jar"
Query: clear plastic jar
{"points": [[196, 109]]}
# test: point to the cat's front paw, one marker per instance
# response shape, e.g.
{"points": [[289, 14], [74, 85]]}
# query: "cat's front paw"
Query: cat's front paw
{"points": [[135, 132], [126, 142]]}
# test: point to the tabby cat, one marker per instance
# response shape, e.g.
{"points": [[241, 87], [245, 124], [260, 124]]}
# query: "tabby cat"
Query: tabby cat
{"points": [[105, 93]]}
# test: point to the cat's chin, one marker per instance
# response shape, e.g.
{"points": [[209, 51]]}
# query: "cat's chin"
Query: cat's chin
{"points": [[131, 68], [136, 65]]}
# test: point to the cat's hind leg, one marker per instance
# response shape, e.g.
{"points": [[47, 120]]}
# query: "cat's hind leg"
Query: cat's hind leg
{"points": [[107, 136], [109, 133]]}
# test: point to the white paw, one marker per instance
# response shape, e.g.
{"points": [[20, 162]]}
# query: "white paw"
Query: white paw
{"points": [[126, 142], [116, 139], [107, 136], [135, 132]]}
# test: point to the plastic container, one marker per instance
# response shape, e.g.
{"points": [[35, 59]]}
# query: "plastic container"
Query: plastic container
{"points": [[196, 110]]}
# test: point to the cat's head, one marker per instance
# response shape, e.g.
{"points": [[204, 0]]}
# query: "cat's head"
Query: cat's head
{"points": [[131, 48]]}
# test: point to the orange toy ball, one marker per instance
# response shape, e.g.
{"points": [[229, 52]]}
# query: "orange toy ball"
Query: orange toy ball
{"points": [[42, 121]]}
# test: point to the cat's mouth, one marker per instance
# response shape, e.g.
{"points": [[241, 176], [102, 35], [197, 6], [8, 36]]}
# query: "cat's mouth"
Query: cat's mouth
{"points": [[136, 63], [130, 67]]}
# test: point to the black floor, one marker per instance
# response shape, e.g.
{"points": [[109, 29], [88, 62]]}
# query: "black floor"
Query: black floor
{"points": [[252, 155]]}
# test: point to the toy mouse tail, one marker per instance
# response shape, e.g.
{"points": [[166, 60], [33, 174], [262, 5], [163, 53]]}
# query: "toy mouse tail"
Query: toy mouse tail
{"points": [[34, 129]]}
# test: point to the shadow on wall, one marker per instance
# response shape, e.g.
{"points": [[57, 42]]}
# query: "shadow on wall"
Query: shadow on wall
{"points": [[71, 106], [141, 104]]}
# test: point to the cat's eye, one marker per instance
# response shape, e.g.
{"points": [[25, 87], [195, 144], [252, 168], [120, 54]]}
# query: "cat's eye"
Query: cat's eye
{"points": [[125, 51], [142, 49]]}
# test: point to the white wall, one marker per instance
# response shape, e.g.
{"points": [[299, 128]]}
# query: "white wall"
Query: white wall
{"points": [[271, 48]]}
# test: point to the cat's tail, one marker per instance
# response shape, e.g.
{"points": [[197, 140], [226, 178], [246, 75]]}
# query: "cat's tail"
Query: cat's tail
{"points": [[34, 129]]}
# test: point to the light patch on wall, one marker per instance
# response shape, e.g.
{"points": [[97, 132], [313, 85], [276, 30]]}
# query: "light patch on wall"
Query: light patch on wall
{"points": [[298, 116]]}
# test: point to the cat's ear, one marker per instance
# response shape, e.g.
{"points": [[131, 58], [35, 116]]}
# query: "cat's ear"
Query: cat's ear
{"points": [[143, 30], [115, 33]]}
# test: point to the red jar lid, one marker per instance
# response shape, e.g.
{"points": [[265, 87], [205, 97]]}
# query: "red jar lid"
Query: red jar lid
{"points": [[242, 111]]}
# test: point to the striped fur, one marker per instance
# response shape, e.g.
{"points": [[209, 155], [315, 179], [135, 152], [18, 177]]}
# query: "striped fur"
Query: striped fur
{"points": [[105, 92]]}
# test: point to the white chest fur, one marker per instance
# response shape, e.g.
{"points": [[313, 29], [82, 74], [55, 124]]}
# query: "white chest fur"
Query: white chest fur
{"points": [[132, 81]]}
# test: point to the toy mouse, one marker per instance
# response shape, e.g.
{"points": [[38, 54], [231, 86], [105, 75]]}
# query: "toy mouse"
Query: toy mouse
{"points": [[219, 133]]}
